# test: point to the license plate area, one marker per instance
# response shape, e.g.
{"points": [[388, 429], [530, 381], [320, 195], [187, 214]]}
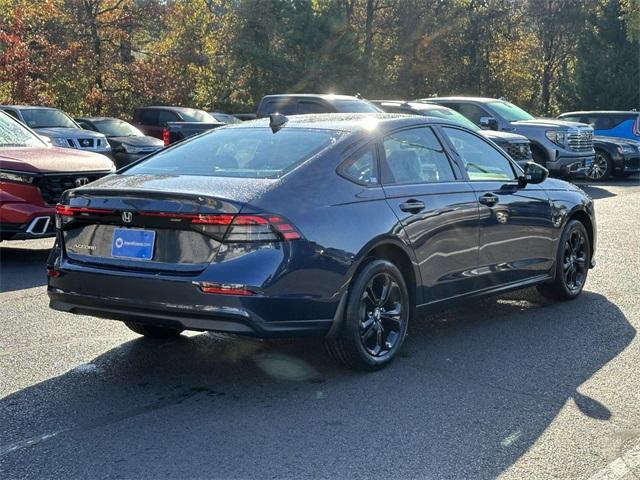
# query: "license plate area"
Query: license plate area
{"points": [[133, 243]]}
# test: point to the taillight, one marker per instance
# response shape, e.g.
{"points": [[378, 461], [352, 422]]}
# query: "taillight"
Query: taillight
{"points": [[166, 136], [67, 211], [246, 228], [224, 289]]}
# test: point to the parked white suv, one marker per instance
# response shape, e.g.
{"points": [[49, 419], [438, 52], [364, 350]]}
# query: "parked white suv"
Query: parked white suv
{"points": [[59, 128]]}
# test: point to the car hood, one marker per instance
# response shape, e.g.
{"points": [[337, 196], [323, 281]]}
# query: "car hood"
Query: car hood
{"points": [[54, 132], [52, 160], [138, 141], [550, 123], [503, 136], [228, 188]]}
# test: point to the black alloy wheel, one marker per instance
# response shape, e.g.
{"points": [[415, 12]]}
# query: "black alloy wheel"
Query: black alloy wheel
{"points": [[375, 318]]}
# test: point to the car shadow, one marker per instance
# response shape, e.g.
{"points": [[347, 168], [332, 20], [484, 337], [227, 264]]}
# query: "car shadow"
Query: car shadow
{"points": [[472, 391], [22, 268]]}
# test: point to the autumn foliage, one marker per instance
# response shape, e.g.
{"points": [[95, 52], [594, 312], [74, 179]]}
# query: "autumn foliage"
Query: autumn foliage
{"points": [[110, 56]]}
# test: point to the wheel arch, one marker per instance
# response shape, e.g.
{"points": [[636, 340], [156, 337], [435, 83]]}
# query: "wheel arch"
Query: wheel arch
{"points": [[393, 250]]}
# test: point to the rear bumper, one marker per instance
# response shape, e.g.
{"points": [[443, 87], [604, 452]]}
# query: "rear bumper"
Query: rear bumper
{"points": [[219, 318], [175, 300]]}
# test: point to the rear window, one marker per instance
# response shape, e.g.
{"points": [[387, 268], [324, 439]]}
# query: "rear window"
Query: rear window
{"points": [[239, 152]]}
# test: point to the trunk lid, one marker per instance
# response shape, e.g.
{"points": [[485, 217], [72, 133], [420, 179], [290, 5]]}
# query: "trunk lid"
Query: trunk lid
{"points": [[157, 216]]}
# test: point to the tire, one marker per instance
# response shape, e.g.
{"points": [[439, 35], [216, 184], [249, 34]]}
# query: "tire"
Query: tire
{"points": [[601, 168], [153, 332], [374, 324], [572, 264]]}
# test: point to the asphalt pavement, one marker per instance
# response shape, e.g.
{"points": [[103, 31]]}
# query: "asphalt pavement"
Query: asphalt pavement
{"points": [[514, 386]]}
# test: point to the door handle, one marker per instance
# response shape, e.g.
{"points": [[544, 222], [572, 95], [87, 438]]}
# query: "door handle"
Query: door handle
{"points": [[412, 205], [488, 199]]}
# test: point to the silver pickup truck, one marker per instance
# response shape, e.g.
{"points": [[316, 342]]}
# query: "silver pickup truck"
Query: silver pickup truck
{"points": [[565, 148], [59, 128]]}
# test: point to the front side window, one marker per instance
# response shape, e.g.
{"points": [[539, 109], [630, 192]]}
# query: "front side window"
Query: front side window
{"points": [[416, 156], [481, 160], [239, 152], [13, 134], [46, 118], [165, 116], [473, 112]]}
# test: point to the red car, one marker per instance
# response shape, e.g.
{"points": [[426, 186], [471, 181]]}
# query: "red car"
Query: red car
{"points": [[33, 175]]}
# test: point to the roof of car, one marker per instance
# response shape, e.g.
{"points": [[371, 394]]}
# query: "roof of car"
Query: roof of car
{"points": [[28, 107], [171, 107], [349, 122], [324, 96], [604, 112], [463, 98]]}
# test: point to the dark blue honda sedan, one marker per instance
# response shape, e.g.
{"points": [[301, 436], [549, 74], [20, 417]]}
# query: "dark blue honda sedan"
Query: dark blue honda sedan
{"points": [[340, 225]]}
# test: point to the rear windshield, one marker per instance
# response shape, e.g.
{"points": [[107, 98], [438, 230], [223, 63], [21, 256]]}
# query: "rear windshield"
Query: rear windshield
{"points": [[192, 115], [239, 152]]}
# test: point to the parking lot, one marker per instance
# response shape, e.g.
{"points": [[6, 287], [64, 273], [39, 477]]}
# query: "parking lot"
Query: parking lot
{"points": [[515, 386]]}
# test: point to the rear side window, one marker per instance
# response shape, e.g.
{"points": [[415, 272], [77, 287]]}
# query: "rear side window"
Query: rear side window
{"points": [[607, 122], [239, 152], [149, 117], [361, 168], [416, 156], [481, 160]]}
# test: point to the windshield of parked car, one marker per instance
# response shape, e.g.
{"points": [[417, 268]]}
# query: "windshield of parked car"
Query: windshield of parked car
{"points": [[354, 106], [13, 134], [239, 152], [447, 114], [509, 111], [46, 117], [193, 115], [112, 127]]}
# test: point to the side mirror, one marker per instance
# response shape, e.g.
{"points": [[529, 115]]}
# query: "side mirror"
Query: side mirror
{"points": [[489, 123], [533, 173]]}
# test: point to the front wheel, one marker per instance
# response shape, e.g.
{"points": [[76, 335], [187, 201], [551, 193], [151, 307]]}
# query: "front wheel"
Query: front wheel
{"points": [[375, 320], [150, 331], [601, 167], [572, 264]]}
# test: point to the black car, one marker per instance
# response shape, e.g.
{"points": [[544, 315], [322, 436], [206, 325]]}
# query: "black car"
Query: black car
{"points": [[128, 144], [517, 146], [619, 157], [310, 103], [338, 225]]}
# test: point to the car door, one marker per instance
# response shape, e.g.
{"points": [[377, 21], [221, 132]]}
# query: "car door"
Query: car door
{"points": [[437, 209], [516, 230]]}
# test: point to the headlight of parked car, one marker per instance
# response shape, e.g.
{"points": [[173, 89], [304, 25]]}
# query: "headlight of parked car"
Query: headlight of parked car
{"points": [[60, 142], [626, 149], [131, 149], [559, 137], [15, 177]]}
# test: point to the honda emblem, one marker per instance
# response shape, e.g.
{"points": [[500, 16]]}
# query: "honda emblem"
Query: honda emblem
{"points": [[127, 217]]}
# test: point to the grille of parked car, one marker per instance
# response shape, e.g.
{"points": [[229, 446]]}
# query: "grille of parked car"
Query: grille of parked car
{"points": [[52, 186], [519, 151], [580, 141]]}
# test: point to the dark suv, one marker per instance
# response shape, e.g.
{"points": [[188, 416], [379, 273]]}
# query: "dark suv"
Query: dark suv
{"points": [[299, 104], [153, 120]]}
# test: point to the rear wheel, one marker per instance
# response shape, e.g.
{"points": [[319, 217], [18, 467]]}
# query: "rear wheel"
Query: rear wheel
{"points": [[572, 264], [150, 331], [375, 320], [601, 167]]}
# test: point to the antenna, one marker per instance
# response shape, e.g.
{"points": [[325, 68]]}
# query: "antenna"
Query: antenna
{"points": [[277, 121]]}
